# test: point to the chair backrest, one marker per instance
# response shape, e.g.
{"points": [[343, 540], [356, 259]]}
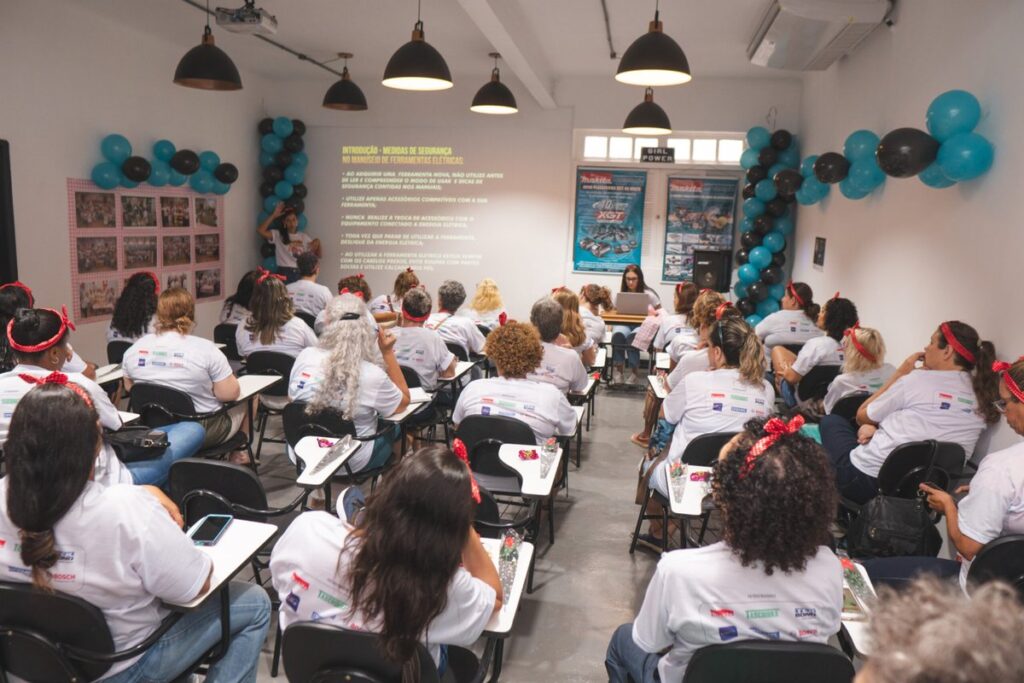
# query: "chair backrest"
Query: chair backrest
{"points": [[703, 450], [271, 363], [769, 661], [225, 334], [907, 466], [116, 349], [317, 652], [484, 435], [794, 348], [488, 516], [815, 383], [236, 484], [411, 378], [458, 350], [298, 424], [1000, 560], [35, 626], [157, 404], [484, 330], [848, 406]]}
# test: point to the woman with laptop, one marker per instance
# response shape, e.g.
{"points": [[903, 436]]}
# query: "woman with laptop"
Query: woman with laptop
{"points": [[634, 298]]}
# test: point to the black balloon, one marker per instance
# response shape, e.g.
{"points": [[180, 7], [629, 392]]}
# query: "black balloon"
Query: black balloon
{"points": [[283, 159], [905, 152], [762, 224], [185, 161], [782, 139], [778, 259], [266, 126], [756, 174], [831, 167], [266, 188], [776, 207], [226, 173], [788, 181], [298, 127], [768, 156], [742, 257], [748, 191], [746, 306], [273, 174], [136, 169], [771, 275], [299, 191], [296, 204], [749, 240], [293, 143], [758, 291]]}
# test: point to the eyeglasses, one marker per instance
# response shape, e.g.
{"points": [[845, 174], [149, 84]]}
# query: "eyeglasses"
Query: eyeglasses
{"points": [[1000, 405]]}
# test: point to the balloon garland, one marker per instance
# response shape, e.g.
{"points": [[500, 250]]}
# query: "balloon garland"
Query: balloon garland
{"points": [[284, 161], [204, 172]]}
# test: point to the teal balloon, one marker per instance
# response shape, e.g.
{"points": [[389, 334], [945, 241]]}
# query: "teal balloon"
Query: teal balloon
{"points": [[283, 126], [201, 181], [814, 187], [776, 291], [765, 190], [262, 216], [740, 290], [300, 159], [271, 143], [125, 181], [965, 156], [760, 257], [116, 148], [775, 168], [303, 221], [753, 207], [747, 224], [294, 174], [271, 202], [851, 191], [748, 273], [266, 158], [209, 160], [934, 177], [283, 189], [758, 138], [163, 150], [160, 174], [784, 225], [807, 166], [860, 144], [790, 157], [219, 187], [749, 158], [177, 179], [753, 319], [767, 307], [865, 174], [774, 242], [951, 113], [106, 175]]}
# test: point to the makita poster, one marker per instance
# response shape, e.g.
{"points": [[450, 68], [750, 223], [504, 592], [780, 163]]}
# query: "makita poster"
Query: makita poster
{"points": [[701, 213], [609, 219]]}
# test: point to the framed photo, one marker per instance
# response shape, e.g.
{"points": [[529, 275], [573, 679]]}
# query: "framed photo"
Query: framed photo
{"points": [[177, 250], [207, 248], [174, 212], [208, 283], [139, 252], [95, 210], [96, 297], [138, 212], [819, 251], [181, 279], [206, 212], [96, 254]]}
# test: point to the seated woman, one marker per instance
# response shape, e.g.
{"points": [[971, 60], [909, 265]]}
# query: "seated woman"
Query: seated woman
{"points": [[560, 365], [771, 578], [133, 312], [116, 547], [573, 331], [15, 295], [836, 316], [796, 323], [486, 308], [173, 357], [678, 324], [308, 295], [40, 341], [411, 569], [272, 325], [341, 366], [236, 307], [515, 349], [386, 307], [864, 368], [419, 348], [950, 398], [454, 329], [622, 335], [593, 298], [350, 284]]}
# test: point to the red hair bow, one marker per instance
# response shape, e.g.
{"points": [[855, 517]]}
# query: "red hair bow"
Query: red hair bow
{"points": [[346, 290], [360, 276], [23, 287], [459, 449], [265, 275], [1002, 368], [835, 296], [65, 324], [775, 429], [502, 318], [58, 378], [409, 269]]}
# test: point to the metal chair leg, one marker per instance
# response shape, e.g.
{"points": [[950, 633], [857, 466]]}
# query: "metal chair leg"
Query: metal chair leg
{"points": [[275, 664], [639, 522]]}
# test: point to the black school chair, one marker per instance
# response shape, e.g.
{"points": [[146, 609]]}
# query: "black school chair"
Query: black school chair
{"points": [[999, 560], [270, 363], [848, 406], [116, 349], [430, 417], [458, 350], [815, 383], [307, 318], [224, 333], [769, 661]]}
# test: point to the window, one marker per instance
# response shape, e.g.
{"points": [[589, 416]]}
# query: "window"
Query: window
{"points": [[639, 143], [620, 148], [682, 148], [595, 147], [705, 149], [700, 149], [729, 151]]}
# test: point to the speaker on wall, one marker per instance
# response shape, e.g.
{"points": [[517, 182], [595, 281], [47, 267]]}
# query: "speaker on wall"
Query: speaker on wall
{"points": [[711, 269], [8, 253]]}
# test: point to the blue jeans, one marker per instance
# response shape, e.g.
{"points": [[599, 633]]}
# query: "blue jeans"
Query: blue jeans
{"points": [[198, 631], [788, 392], [185, 438], [382, 447], [290, 274], [622, 337], [839, 437], [626, 661], [899, 572]]}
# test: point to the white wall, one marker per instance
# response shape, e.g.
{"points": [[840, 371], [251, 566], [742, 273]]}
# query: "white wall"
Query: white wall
{"points": [[911, 256], [71, 77]]}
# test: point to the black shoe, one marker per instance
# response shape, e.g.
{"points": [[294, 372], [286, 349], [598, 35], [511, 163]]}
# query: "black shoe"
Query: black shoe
{"points": [[649, 542]]}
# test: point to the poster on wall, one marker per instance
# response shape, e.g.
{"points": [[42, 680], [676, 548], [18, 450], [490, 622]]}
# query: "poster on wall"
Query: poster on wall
{"points": [[169, 231], [609, 219], [701, 215]]}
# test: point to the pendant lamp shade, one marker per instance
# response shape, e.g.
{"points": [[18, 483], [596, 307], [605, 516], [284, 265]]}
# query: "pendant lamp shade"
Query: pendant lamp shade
{"points": [[494, 97], [207, 67], [654, 59], [345, 95], [417, 66], [647, 118]]}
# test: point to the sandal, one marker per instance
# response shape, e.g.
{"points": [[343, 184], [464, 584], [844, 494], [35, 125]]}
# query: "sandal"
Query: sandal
{"points": [[640, 440]]}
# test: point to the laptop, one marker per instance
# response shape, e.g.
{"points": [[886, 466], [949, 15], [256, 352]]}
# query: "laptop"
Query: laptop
{"points": [[631, 303]]}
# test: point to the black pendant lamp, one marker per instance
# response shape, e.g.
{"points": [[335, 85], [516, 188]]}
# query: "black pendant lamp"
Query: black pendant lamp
{"points": [[494, 97], [345, 95], [654, 59], [647, 118], [417, 65], [206, 66]]}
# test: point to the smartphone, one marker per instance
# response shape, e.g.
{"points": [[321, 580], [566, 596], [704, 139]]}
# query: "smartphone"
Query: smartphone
{"points": [[209, 529]]}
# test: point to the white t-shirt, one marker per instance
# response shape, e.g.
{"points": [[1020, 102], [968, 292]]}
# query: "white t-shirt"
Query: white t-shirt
{"points": [[787, 327], [76, 364], [386, 303], [309, 296], [456, 329], [109, 469], [286, 254], [489, 319], [378, 395], [695, 360], [594, 325], [653, 298], [682, 343], [672, 326], [714, 401], [538, 404], [309, 567], [291, 338], [818, 351], [234, 314], [119, 551], [995, 505], [560, 367], [184, 362], [423, 351], [117, 335], [704, 596], [926, 404], [849, 383]]}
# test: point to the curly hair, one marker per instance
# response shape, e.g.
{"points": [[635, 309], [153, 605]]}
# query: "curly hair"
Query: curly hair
{"points": [[356, 283], [487, 296], [704, 308], [914, 632], [871, 341], [135, 307], [175, 311], [348, 341], [451, 295], [515, 349], [778, 514], [597, 295], [271, 309], [839, 316], [572, 323]]}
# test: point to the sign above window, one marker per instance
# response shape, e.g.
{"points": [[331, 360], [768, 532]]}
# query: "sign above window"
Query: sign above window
{"points": [[658, 155]]}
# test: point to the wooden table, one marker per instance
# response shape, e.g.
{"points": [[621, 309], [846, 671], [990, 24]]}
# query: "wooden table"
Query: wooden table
{"points": [[622, 318]]}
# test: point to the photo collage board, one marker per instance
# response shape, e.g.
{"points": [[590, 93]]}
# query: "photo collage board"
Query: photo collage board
{"points": [[173, 232]]}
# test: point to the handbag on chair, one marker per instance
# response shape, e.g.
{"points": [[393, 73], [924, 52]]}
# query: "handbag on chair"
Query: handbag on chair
{"points": [[132, 444]]}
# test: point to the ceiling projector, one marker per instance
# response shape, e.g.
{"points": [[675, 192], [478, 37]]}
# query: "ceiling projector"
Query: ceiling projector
{"points": [[248, 19]]}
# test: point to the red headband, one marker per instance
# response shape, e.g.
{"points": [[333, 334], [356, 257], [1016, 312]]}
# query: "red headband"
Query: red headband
{"points": [[775, 429], [459, 449], [65, 323], [412, 318], [1003, 368], [58, 378], [835, 296], [852, 334], [721, 309], [156, 282], [347, 291], [23, 287], [792, 290], [951, 339], [558, 288], [679, 287]]}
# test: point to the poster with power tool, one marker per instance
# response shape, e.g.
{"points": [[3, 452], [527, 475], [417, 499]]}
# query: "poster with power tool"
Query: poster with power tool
{"points": [[609, 219], [701, 214]]}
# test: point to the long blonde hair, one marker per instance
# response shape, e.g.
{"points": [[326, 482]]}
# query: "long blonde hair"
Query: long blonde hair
{"points": [[270, 308], [572, 323], [871, 340], [487, 296], [348, 339], [175, 311]]}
